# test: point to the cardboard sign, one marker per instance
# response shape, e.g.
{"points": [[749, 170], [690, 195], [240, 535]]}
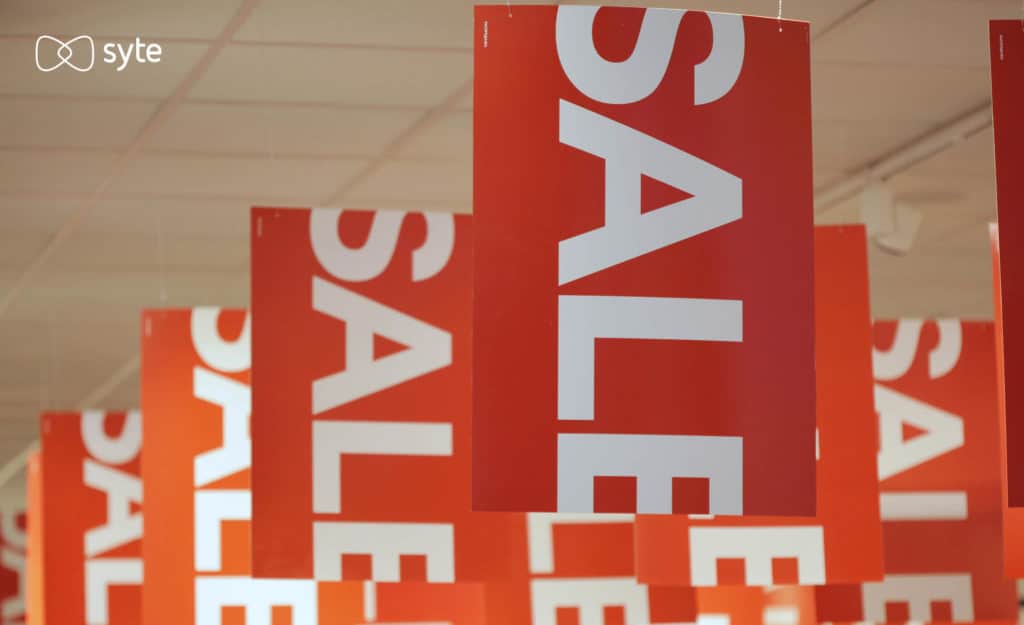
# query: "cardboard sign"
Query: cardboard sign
{"points": [[843, 543], [939, 472], [92, 526], [13, 541], [643, 312], [581, 566], [36, 613], [1013, 518], [196, 398], [1007, 41], [361, 365]]}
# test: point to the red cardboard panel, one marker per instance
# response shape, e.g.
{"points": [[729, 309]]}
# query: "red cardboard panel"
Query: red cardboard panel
{"points": [[92, 526], [1007, 47], [361, 423], [1013, 518], [36, 613], [13, 541], [643, 262], [939, 470], [581, 566], [196, 400], [843, 543]]}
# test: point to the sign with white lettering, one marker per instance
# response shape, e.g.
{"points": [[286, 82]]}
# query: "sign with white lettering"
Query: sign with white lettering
{"points": [[13, 542], [1007, 61], [643, 312], [92, 528], [843, 542], [939, 477], [195, 385], [361, 363], [581, 570]]}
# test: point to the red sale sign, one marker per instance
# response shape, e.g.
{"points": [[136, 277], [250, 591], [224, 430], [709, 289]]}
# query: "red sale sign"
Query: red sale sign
{"points": [[361, 365], [92, 528], [939, 473], [1013, 518], [643, 250], [1007, 41], [197, 402], [13, 541], [843, 543], [581, 570]]}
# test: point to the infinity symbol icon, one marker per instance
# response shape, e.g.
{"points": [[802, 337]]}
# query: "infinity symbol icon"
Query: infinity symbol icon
{"points": [[65, 52]]}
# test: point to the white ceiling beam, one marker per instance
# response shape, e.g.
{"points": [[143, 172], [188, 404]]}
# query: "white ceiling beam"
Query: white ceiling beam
{"points": [[923, 147]]}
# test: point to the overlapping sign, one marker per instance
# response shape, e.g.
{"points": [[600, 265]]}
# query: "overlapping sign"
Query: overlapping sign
{"points": [[36, 608], [13, 541], [361, 364], [939, 471], [1013, 517], [843, 543], [92, 524], [643, 306], [1007, 49], [581, 566], [196, 400]]}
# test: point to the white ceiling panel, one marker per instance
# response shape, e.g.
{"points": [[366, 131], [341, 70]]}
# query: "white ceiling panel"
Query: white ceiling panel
{"points": [[118, 216], [19, 75], [33, 213], [950, 33], [45, 171], [451, 137], [894, 94], [359, 77], [153, 252], [414, 181], [282, 130], [126, 18], [52, 122], [261, 179], [393, 23]]}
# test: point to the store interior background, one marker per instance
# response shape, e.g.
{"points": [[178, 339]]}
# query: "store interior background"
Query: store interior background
{"points": [[128, 190]]}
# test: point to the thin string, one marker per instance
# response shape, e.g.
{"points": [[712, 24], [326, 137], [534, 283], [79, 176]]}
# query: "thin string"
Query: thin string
{"points": [[780, 16], [508, 3], [161, 256]]}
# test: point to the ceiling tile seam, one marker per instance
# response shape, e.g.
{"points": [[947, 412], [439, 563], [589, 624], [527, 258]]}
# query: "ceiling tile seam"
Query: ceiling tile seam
{"points": [[842, 20], [152, 125], [420, 125]]}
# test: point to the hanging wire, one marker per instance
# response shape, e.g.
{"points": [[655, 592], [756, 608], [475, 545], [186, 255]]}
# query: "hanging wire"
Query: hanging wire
{"points": [[780, 16], [161, 256], [508, 3]]}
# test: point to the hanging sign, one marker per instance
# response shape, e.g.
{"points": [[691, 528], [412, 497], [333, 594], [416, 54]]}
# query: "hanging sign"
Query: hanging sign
{"points": [[843, 543], [36, 608], [581, 566], [939, 474], [196, 400], [1013, 518], [1007, 47], [361, 401], [13, 540], [92, 526], [643, 312]]}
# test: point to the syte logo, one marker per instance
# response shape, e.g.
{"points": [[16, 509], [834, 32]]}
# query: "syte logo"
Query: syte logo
{"points": [[79, 53]]}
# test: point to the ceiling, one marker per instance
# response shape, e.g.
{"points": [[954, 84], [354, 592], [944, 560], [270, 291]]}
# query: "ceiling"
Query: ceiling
{"points": [[125, 190]]}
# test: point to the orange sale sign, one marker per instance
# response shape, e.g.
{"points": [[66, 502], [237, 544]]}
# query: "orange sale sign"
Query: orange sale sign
{"points": [[92, 524], [843, 543], [581, 566], [643, 310], [36, 608], [197, 401], [13, 540], [939, 477], [361, 404], [1007, 54]]}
